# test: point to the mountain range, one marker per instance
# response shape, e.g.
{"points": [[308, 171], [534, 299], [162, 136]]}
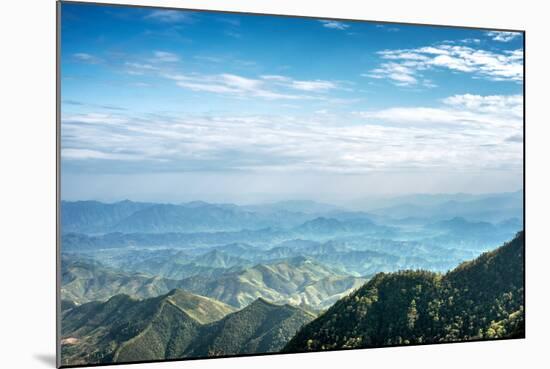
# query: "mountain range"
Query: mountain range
{"points": [[298, 281], [151, 281], [175, 325], [488, 207], [85, 281], [480, 299], [93, 217]]}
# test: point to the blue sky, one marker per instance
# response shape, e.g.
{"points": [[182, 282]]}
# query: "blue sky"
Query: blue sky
{"points": [[173, 105]]}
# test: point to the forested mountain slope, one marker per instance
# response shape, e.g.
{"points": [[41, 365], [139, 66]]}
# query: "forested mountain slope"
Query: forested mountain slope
{"points": [[176, 325], [482, 298], [125, 329]]}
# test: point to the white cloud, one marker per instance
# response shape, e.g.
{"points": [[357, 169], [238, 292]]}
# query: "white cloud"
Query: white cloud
{"points": [[164, 56], [387, 28], [313, 85], [169, 16], [428, 83], [273, 77], [406, 67], [405, 55], [139, 68], [468, 110], [230, 84], [468, 41], [310, 86], [455, 135], [211, 59], [232, 33], [87, 58], [159, 60], [92, 118], [502, 36], [83, 56], [451, 62], [207, 87], [85, 154], [241, 83], [399, 74], [493, 104], [334, 24], [269, 87]]}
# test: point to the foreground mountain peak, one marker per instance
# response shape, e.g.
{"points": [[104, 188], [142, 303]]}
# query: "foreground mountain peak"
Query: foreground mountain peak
{"points": [[480, 299]]}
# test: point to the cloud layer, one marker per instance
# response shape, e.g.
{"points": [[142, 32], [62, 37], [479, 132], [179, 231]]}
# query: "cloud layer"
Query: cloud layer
{"points": [[466, 132], [268, 87], [503, 36], [407, 67]]}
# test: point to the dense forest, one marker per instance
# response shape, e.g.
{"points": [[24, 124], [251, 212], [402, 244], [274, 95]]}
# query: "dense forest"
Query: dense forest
{"points": [[480, 299]]}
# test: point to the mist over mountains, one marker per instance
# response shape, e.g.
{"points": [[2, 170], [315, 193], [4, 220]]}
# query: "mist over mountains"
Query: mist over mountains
{"points": [[150, 281], [196, 216]]}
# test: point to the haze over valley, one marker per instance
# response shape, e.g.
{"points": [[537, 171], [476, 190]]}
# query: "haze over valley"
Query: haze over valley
{"points": [[285, 262]]}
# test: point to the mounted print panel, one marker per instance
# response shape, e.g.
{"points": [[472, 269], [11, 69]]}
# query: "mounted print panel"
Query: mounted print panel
{"points": [[244, 184]]}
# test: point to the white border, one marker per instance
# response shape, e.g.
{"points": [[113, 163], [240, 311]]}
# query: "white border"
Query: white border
{"points": [[28, 182]]}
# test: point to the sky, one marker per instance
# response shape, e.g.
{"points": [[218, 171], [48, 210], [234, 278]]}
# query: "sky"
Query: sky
{"points": [[169, 105]]}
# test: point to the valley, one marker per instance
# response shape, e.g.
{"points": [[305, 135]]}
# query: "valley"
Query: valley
{"points": [[148, 281]]}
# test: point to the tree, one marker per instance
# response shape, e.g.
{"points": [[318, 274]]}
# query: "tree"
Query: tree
{"points": [[412, 315]]}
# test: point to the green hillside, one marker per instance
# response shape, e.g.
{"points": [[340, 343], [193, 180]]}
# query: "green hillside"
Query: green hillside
{"points": [[85, 281], [259, 328], [176, 325], [125, 329], [479, 299], [299, 281]]}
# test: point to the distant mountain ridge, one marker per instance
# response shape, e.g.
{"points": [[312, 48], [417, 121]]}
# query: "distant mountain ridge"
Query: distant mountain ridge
{"points": [[95, 216], [427, 199], [319, 228], [296, 206], [489, 207], [326, 225], [161, 218], [92, 217]]}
